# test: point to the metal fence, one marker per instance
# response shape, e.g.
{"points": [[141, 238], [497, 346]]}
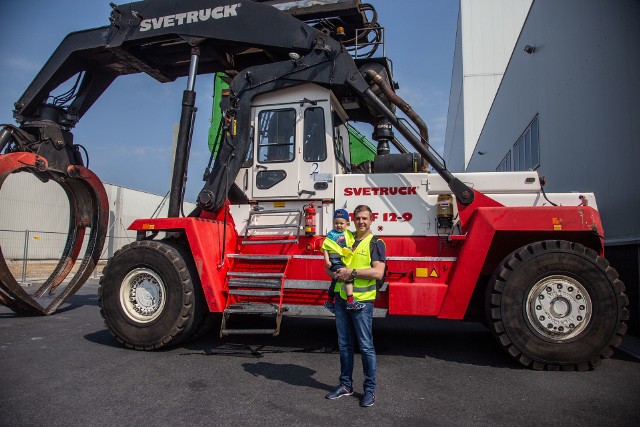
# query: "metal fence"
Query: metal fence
{"points": [[24, 250], [48, 245]]}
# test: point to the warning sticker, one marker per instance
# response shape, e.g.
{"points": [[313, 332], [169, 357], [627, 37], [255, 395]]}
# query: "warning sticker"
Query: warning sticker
{"points": [[422, 272], [426, 272]]}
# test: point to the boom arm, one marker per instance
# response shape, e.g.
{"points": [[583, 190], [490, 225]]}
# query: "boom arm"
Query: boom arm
{"points": [[156, 38]]}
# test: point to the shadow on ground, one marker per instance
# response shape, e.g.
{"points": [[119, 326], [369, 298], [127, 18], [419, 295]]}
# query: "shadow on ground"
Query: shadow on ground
{"points": [[452, 341], [295, 375], [458, 342], [74, 302], [103, 337]]}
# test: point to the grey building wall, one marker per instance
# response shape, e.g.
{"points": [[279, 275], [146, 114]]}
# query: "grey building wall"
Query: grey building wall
{"points": [[454, 136], [582, 84], [486, 34]]}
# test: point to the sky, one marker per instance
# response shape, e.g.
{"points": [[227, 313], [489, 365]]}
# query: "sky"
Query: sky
{"points": [[129, 131]]}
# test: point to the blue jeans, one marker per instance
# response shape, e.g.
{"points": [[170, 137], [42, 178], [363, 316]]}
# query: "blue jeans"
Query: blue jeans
{"points": [[360, 324]]}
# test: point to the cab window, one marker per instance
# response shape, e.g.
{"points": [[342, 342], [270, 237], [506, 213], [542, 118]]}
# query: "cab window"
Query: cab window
{"points": [[314, 147], [276, 138]]}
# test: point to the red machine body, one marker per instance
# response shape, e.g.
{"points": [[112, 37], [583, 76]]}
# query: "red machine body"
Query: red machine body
{"points": [[425, 277]]}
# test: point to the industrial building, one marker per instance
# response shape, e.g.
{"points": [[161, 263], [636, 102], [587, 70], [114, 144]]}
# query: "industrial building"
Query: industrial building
{"points": [[551, 86]]}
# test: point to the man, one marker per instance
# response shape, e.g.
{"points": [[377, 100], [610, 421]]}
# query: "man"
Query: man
{"points": [[365, 267]]}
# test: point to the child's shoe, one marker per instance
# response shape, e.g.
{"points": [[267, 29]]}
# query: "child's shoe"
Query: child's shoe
{"points": [[355, 305]]}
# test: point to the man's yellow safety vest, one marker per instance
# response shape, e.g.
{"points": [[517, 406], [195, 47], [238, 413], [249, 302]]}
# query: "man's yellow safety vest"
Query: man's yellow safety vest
{"points": [[363, 289]]}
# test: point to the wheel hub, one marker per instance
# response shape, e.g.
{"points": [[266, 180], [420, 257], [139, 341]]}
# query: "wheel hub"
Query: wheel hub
{"points": [[558, 307], [145, 295], [142, 295]]}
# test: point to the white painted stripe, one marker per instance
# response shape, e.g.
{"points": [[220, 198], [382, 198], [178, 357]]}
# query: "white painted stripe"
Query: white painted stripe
{"points": [[423, 258], [392, 258], [307, 284]]}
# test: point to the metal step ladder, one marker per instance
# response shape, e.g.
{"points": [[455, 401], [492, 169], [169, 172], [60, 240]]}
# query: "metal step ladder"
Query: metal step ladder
{"points": [[257, 212], [256, 287]]}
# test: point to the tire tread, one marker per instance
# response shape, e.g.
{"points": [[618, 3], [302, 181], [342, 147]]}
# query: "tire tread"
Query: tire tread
{"points": [[176, 334], [501, 277]]}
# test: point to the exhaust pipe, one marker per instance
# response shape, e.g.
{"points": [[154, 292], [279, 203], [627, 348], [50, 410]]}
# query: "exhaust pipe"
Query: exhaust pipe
{"points": [[400, 103]]}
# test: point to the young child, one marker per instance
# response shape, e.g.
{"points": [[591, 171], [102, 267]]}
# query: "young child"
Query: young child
{"points": [[337, 252]]}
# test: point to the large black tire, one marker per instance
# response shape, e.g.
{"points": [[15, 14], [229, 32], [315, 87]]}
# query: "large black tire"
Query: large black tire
{"points": [[557, 305], [203, 320], [149, 297]]}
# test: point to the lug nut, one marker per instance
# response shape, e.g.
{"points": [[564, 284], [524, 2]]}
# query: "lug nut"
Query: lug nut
{"points": [[550, 326], [541, 297], [579, 318], [578, 296], [561, 329], [548, 288], [541, 318], [570, 288], [571, 326], [538, 307], [559, 286], [582, 307]]}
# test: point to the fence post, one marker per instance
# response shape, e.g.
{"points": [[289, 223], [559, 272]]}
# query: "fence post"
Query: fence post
{"points": [[24, 259]]}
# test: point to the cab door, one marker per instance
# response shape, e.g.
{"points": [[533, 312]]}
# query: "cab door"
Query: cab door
{"points": [[275, 171], [293, 155]]}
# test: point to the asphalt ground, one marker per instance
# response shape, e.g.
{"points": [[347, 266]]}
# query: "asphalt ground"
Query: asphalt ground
{"points": [[67, 370]]}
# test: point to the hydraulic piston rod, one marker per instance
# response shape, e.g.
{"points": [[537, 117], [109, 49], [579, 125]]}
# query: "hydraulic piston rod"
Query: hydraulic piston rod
{"points": [[183, 144]]}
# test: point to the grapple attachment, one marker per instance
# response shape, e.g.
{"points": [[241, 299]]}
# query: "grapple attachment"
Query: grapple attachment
{"points": [[88, 208]]}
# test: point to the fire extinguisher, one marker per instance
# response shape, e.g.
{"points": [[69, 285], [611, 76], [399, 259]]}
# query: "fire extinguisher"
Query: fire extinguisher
{"points": [[309, 220]]}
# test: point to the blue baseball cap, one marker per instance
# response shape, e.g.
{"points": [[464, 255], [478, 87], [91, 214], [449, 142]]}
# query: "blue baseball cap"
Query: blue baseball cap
{"points": [[341, 213]]}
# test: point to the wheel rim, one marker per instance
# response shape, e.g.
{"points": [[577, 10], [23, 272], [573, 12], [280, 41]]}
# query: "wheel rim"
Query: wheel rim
{"points": [[559, 308], [142, 295]]}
